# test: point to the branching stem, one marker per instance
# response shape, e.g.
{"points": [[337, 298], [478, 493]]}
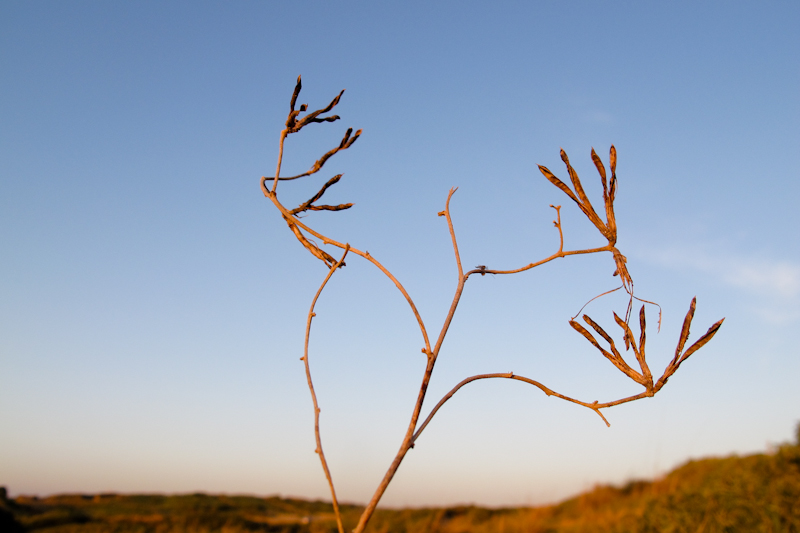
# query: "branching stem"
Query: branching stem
{"points": [[608, 229], [594, 406], [408, 439]]}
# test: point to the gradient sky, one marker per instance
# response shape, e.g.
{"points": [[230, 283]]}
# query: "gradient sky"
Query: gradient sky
{"points": [[153, 302]]}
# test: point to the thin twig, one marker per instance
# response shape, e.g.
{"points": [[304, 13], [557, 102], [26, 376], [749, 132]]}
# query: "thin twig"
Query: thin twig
{"points": [[539, 263], [312, 314], [593, 299], [652, 303], [557, 223], [446, 213]]}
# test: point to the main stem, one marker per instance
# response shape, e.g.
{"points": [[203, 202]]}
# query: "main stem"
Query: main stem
{"points": [[408, 440]]}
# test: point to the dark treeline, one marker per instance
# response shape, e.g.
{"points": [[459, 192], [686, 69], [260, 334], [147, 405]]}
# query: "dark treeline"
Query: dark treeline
{"points": [[756, 493]]}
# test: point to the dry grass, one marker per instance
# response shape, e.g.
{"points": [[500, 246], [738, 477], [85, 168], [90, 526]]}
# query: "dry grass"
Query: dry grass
{"points": [[756, 493]]}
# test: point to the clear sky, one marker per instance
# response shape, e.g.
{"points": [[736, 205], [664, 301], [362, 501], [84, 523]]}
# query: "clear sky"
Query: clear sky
{"points": [[153, 302]]}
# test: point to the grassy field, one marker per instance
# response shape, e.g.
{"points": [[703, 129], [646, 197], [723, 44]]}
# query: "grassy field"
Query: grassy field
{"points": [[756, 493]]}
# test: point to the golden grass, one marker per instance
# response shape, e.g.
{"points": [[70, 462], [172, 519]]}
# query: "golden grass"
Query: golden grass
{"points": [[755, 493]]}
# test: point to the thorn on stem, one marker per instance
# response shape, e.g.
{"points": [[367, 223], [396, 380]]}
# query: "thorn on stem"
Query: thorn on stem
{"points": [[441, 213]]}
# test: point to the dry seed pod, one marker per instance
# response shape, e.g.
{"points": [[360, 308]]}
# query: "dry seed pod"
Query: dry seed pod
{"points": [[585, 204], [296, 93], [687, 323], [307, 205], [615, 356], [311, 247], [638, 351], [312, 117], [580, 329], [340, 207], [346, 143], [642, 327], [598, 329], [612, 153], [707, 336], [628, 334], [681, 356], [558, 183], [609, 228], [601, 169]]}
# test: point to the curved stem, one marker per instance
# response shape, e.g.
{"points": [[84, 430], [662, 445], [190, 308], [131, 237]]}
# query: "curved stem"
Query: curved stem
{"points": [[594, 406], [294, 220], [595, 298], [312, 314]]}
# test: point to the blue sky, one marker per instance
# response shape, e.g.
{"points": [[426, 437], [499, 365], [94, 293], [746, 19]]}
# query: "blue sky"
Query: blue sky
{"points": [[153, 302]]}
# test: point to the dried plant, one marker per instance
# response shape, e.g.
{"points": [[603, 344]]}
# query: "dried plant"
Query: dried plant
{"points": [[607, 228]]}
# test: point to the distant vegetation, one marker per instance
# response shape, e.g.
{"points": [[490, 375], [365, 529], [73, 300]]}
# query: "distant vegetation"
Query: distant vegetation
{"points": [[756, 493]]}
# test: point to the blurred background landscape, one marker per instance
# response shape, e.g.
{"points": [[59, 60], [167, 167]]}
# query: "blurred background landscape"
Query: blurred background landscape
{"points": [[749, 494], [153, 302]]}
